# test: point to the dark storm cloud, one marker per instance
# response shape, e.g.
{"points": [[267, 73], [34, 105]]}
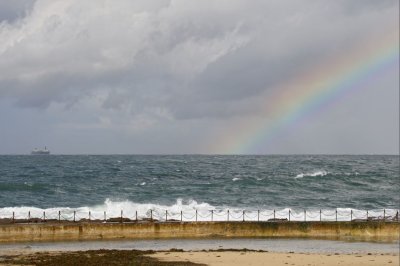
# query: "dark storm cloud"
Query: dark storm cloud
{"points": [[191, 59], [11, 10], [131, 65]]}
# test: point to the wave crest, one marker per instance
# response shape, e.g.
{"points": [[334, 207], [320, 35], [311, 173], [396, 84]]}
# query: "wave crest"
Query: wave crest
{"points": [[190, 210], [312, 174]]}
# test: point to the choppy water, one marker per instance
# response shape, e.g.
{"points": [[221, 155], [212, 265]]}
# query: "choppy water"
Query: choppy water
{"points": [[203, 182]]}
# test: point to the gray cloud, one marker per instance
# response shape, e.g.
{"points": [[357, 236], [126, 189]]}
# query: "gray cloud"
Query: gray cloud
{"points": [[14, 9], [138, 63], [160, 49]]}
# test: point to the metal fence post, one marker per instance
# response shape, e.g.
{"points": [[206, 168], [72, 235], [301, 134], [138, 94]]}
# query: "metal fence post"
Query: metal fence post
{"points": [[228, 216], [136, 215], [44, 216], [320, 215], [289, 215], [151, 215], [243, 215], [122, 214], [196, 215], [166, 215], [181, 216], [351, 215], [367, 215], [74, 215], [89, 216], [384, 214], [29, 216], [105, 216], [336, 215], [305, 215], [13, 218], [212, 215], [59, 216], [258, 215], [274, 214]]}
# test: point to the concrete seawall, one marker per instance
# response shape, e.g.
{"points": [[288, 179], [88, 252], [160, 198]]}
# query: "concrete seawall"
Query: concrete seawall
{"points": [[368, 231]]}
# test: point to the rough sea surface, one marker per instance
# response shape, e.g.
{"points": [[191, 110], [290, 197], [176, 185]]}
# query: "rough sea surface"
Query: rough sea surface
{"points": [[199, 182]]}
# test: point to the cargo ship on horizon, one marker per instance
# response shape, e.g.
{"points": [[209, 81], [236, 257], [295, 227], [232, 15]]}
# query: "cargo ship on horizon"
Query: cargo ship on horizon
{"points": [[37, 151]]}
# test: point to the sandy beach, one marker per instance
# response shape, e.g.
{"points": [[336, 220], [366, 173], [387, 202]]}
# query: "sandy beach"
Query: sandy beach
{"points": [[251, 251], [192, 258], [226, 258]]}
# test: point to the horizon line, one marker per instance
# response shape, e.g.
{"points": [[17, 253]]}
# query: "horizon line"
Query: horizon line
{"points": [[213, 154]]}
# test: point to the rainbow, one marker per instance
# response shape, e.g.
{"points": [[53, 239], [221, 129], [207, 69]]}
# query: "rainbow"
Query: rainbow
{"points": [[311, 92]]}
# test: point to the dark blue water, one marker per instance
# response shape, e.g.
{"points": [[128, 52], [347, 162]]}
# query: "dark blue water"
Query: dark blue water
{"points": [[303, 181]]}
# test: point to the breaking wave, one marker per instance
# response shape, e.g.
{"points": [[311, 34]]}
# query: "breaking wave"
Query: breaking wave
{"points": [[190, 210], [316, 173]]}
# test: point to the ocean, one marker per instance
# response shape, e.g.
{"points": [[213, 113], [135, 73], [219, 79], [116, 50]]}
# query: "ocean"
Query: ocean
{"points": [[262, 186]]}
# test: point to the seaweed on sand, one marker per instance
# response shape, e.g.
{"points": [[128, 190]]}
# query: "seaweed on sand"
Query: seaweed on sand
{"points": [[100, 257]]}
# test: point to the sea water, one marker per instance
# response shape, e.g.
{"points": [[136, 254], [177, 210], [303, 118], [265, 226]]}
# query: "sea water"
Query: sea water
{"points": [[310, 187], [265, 244]]}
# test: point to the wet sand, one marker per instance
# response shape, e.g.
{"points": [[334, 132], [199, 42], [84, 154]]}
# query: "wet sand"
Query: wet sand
{"points": [[201, 252], [193, 258]]}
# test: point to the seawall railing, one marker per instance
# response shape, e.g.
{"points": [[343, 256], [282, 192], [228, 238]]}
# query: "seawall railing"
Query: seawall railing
{"points": [[158, 215]]}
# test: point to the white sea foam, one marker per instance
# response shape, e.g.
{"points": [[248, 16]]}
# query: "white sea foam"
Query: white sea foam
{"points": [[352, 173], [316, 173], [205, 212], [235, 179]]}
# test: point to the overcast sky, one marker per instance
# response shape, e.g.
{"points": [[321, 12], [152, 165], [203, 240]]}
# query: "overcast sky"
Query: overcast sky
{"points": [[172, 77]]}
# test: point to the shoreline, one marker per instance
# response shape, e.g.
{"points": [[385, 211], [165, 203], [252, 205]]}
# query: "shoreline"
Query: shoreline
{"points": [[220, 257], [260, 244], [287, 243], [41, 232]]}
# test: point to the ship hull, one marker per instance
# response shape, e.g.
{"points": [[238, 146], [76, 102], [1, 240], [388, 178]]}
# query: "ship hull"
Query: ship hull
{"points": [[40, 153]]}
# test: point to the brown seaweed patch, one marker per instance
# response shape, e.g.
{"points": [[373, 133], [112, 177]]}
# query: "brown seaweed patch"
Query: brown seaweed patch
{"points": [[100, 257]]}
